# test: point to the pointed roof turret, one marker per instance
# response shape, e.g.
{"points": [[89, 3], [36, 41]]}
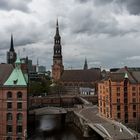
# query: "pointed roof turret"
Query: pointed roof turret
{"points": [[85, 65], [57, 29], [12, 44], [18, 61], [126, 76]]}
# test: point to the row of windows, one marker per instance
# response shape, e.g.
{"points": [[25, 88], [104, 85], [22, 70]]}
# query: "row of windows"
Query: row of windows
{"points": [[126, 115], [125, 100], [9, 105], [10, 129], [125, 108], [9, 95], [118, 88], [133, 93], [10, 138], [19, 117], [133, 89]]}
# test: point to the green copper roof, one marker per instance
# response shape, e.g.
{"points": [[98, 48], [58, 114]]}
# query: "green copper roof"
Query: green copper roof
{"points": [[16, 78]]}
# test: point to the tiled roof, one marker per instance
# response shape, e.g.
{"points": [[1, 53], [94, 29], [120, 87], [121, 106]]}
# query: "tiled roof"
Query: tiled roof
{"points": [[5, 71], [90, 75]]}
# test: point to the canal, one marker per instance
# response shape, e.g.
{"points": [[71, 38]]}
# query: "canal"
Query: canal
{"points": [[52, 127]]}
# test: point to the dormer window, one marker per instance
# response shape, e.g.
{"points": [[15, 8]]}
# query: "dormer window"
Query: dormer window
{"points": [[15, 81]]}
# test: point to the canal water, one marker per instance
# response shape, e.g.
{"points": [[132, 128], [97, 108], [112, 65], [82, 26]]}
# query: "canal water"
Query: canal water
{"points": [[51, 127]]}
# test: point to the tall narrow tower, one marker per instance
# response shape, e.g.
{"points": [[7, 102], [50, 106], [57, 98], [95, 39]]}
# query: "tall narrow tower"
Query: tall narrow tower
{"points": [[11, 54], [85, 65], [57, 67]]}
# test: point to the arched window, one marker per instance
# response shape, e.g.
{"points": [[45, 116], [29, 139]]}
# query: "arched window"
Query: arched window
{"points": [[9, 116], [9, 95], [19, 95], [19, 117], [19, 129]]}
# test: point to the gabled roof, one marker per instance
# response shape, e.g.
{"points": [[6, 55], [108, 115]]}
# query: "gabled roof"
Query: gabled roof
{"points": [[90, 75], [133, 74], [129, 72], [117, 77], [16, 78], [5, 71]]}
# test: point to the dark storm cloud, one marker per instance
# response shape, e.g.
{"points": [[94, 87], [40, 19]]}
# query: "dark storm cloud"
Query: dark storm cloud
{"points": [[102, 2], [93, 24], [83, 1], [97, 2], [100, 30], [133, 6], [21, 5]]}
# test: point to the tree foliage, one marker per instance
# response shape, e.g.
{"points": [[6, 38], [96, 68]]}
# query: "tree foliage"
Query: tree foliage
{"points": [[40, 87]]}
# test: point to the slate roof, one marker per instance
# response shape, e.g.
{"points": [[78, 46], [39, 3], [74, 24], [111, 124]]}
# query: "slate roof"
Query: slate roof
{"points": [[116, 77], [133, 75], [5, 71], [90, 75]]}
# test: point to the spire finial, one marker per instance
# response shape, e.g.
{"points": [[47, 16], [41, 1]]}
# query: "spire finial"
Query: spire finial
{"points": [[12, 44], [57, 28], [57, 23]]}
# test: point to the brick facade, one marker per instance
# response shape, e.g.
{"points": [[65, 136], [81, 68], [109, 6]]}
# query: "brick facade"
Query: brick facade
{"points": [[119, 98], [14, 121]]}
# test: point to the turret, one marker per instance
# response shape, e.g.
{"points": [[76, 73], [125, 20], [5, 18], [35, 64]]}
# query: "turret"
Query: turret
{"points": [[57, 67], [11, 54], [85, 65]]}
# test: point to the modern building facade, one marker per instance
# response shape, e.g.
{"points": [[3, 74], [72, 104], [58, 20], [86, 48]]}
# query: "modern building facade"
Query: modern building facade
{"points": [[119, 95], [13, 102]]}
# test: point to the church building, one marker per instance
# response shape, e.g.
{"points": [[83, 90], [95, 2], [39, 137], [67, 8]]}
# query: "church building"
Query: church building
{"points": [[72, 79]]}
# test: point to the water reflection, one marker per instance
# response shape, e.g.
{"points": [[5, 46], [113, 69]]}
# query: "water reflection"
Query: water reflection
{"points": [[50, 127], [49, 122]]}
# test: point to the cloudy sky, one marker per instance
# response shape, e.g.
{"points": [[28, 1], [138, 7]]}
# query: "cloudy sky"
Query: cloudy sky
{"points": [[106, 32]]}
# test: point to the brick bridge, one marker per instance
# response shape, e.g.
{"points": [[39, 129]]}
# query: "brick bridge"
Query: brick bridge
{"points": [[47, 111], [85, 116], [63, 100]]}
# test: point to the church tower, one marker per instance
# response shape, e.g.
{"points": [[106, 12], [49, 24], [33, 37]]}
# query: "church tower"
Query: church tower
{"points": [[85, 65], [57, 67], [11, 54]]}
